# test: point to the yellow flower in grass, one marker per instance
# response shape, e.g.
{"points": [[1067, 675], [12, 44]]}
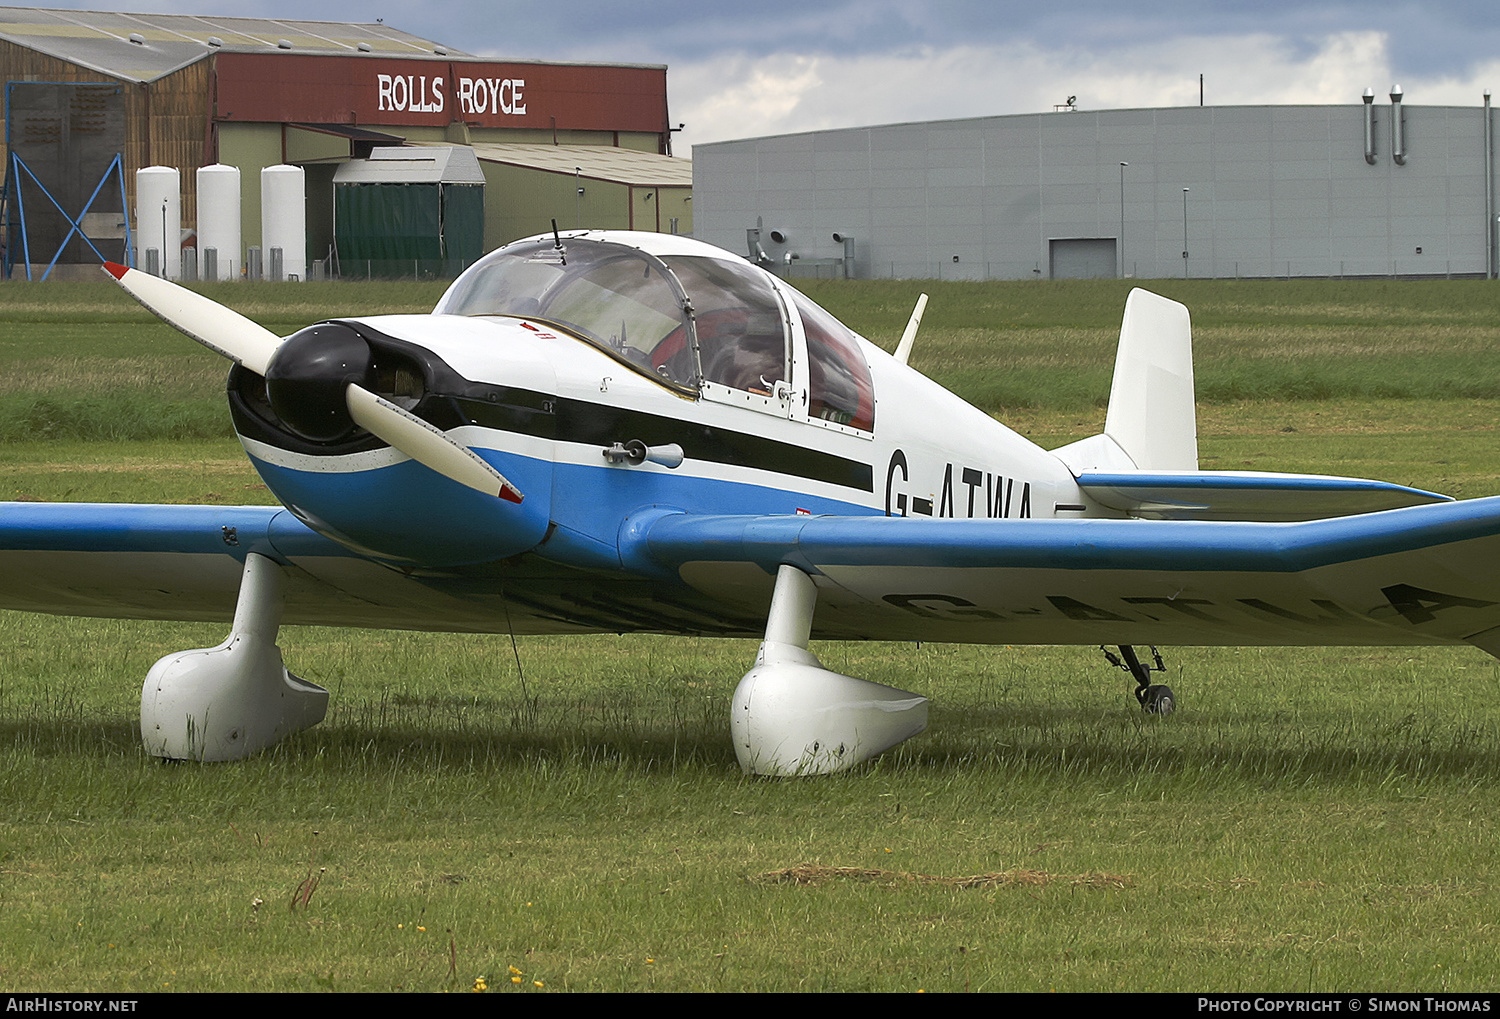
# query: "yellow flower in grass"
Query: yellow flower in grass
{"points": [[480, 985]]}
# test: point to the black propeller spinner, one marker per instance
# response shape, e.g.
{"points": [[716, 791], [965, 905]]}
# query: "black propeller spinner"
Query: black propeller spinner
{"points": [[309, 374]]}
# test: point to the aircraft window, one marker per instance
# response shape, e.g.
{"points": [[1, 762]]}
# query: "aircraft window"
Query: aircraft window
{"points": [[741, 333], [839, 386], [611, 295]]}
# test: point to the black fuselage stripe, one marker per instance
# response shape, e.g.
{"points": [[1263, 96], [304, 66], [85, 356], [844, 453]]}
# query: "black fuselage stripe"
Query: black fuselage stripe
{"points": [[541, 415], [598, 424]]}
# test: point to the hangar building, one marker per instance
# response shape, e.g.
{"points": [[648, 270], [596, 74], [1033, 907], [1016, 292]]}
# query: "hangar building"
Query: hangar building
{"points": [[1376, 188], [582, 143]]}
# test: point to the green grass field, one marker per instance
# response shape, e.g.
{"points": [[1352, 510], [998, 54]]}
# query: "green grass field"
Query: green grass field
{"points": [[1318, 819]]}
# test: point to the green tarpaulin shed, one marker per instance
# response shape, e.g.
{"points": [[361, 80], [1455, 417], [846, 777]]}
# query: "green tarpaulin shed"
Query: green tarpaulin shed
{"points": [[409, 204]]}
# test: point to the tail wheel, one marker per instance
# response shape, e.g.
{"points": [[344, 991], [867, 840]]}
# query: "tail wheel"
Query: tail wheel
{"points": [[1158, 700], [1155, 699]]}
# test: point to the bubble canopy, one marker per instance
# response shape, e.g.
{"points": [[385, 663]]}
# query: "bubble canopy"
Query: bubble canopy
{"points": [[680, 319]]}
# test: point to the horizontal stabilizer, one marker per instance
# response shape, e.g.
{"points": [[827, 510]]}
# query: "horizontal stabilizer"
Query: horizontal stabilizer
{"points": [[1246, 495]]}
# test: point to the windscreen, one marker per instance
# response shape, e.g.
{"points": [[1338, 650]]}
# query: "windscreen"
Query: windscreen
{"points": [[631, 304], [614, 296]]}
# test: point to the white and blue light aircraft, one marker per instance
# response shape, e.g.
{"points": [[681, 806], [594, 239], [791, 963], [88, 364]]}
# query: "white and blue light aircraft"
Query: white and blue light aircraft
{"points": [[611, 431]]}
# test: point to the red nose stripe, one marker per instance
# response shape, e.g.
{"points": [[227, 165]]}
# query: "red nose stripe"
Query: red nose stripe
{"points": [[117, 270]]}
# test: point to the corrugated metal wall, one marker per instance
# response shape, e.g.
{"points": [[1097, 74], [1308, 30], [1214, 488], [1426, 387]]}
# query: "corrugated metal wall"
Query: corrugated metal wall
{"points": [[1272, 191]]}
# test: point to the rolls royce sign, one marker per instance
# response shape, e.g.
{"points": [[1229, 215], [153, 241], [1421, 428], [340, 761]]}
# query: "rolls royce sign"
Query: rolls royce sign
{"points": [[378, 91], [420, 93]]}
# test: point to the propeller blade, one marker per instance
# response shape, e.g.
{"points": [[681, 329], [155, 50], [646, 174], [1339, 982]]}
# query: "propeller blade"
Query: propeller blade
{"points": [[426, 444], [216, 327], [236, 337]]}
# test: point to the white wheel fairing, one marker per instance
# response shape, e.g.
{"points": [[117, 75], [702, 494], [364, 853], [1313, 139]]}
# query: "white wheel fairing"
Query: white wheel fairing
{"points": [[228, 702], [793, 717]]}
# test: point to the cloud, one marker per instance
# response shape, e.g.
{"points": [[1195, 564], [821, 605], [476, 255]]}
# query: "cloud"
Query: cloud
{"points": [[1449, 90], [746, 97], [790, 92]]}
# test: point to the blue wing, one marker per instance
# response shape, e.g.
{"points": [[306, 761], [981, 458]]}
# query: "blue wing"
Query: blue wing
{"points": [[1421, 575], [175, 562], [185, 563]]}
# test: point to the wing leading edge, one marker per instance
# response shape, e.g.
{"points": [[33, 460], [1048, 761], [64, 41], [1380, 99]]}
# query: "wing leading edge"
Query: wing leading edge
{"points": [[1420, 575], [131, 561], [138, 561]]}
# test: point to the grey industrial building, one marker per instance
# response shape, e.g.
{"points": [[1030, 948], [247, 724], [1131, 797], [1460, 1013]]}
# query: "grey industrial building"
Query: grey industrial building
{"points": [[1377, 188]]}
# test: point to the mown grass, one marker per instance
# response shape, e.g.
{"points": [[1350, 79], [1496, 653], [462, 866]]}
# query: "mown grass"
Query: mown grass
{"points": [[84, 361], [1311, 819], [1328, 832]]}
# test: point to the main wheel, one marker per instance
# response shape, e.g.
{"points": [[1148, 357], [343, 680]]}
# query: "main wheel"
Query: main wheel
{"points": [[1158, 700]]}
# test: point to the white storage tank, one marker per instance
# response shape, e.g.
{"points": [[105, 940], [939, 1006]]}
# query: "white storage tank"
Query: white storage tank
{"points": [[219, 221], [283, 220], [158, 219]]}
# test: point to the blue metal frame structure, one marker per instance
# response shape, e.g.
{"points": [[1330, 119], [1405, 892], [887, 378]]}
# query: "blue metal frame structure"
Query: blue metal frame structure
{"points": [[17, 165], [12, 198]]}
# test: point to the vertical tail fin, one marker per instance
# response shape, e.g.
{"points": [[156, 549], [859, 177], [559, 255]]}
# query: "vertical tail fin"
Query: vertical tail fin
{"points": [[1152, 417], [1152, 412]]}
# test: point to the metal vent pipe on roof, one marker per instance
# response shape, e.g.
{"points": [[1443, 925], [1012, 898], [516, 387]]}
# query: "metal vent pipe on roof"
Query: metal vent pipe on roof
{"points": [[1489, 190], [1398, 137], [1370, 126]]}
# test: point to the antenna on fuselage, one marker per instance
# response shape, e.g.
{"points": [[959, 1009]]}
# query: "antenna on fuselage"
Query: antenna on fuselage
{"points": [[557, 243], [903, 349]]}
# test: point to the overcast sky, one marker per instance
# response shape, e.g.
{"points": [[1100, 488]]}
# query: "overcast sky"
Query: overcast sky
{"points": [[742, 69]]}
